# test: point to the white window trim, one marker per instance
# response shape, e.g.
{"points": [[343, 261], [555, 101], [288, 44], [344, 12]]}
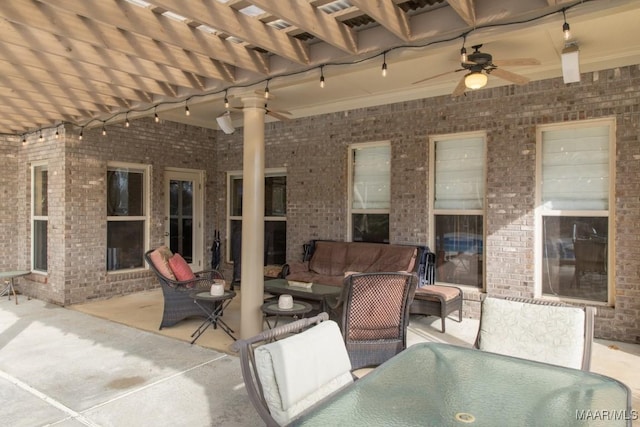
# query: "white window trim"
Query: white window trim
{"points": [[239, 174], [350, 210], [610, 213], [147, 171], [34, 217], [431, 188]]}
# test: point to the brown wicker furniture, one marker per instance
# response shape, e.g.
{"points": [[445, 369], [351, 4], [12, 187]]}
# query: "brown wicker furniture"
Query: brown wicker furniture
{"points": [[284, 374], [437, 300], [330, 260], [374, 314], [327, 262], [540, 330], [178, 301]]}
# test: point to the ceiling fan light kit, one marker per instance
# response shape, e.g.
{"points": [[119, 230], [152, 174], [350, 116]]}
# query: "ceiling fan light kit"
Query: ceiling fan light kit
{"points": [[475, 80]]}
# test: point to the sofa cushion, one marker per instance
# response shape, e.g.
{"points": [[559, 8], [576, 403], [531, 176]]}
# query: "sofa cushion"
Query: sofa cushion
{"points": [[374, 258], [329, 258], [437, 293]]}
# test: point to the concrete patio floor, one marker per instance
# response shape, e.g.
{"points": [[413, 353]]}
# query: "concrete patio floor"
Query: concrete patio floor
{"points": [[71, 367]]}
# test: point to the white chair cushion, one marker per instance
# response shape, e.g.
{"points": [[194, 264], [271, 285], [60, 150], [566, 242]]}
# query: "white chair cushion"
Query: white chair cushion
{"points": [[545, 333], [302, 369]]}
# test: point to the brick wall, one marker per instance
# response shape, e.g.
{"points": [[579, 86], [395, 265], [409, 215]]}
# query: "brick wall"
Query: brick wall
{"points": [[77, 201], [314, 152]]}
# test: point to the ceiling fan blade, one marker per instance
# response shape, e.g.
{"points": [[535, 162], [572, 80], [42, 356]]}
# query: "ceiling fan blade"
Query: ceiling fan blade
{"points": [[278, 111], [433, 77], [278, 116], [512, 77], [460, 88], [513, 62]]}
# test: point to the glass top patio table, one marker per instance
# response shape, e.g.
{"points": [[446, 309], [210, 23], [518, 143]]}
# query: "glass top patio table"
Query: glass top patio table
{"points": [[434, 384]]}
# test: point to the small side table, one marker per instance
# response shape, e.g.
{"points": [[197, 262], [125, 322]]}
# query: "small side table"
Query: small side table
{"points": [[9, 287], [271, 308], [212, 306]]}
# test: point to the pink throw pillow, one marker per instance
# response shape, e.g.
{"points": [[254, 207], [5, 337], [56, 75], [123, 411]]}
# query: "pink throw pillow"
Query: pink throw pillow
{"points": [[160, 259], [180, 268]]}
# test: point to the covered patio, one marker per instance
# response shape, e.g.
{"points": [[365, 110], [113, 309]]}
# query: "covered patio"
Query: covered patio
{"points": [[157, 89]]}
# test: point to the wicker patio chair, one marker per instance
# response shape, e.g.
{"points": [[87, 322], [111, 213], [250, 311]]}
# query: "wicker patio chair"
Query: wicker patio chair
{"points": [[373, 311], [178, 303], [285, 373], [541, 330]]}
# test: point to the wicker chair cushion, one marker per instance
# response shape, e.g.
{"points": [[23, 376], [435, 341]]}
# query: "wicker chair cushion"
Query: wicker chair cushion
{"points": [[180, 268], [446, 292], [302, 369], [543, 333], [160, 258]]}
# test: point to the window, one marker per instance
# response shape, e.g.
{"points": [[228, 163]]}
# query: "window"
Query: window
{"points": [[574, 206], [458, 173], [275, 218], [370, 172], [127, 215], [39, 216]]}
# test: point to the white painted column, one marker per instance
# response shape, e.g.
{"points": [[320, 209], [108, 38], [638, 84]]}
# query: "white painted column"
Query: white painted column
{"points": [[252, 280]]}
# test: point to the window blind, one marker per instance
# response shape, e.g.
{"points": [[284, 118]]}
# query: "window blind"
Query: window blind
{"points": [[459, 173], [575, 169], [371, 177]]}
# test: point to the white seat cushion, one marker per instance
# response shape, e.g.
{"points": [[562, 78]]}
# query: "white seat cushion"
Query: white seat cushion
{"points": [[545, 333], [300, 370]]}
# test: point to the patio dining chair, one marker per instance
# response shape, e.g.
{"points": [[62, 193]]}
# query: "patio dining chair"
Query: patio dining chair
{"points": [[373, 311], [285, 373], [540, 330], [178, 302]]}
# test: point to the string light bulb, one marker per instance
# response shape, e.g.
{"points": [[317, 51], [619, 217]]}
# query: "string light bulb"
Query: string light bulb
{"points": [[24, 139], [226, 100], [566, 29], [104, 130], [384, 64], [57, 134], [186, 109], [322, 77], [266, 91], [463, 51], [126, 121], [40, 138], [155, 116], [80, 134]]}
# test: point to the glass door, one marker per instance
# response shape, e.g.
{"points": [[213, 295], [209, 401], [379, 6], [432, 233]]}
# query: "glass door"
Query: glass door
{"points": [[183, 215]]}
